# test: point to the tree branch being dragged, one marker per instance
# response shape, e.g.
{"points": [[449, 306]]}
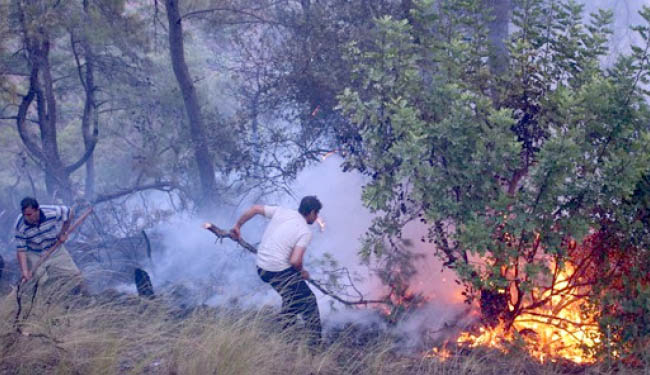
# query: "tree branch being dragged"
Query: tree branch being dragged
{"points": [[221, 234]]}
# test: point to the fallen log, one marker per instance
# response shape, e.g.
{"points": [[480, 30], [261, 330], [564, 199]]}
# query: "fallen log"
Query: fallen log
{"points": [[221, 234]]}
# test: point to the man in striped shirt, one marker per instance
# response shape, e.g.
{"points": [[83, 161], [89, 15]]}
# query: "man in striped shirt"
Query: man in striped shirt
{"points": [[38, 229]]}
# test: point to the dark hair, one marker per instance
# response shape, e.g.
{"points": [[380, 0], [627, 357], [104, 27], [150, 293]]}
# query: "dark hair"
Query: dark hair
{"points": [[28, 202], [308, 204]]}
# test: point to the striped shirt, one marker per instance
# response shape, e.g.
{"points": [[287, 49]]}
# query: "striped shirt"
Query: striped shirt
{"points": [[42, 236]]}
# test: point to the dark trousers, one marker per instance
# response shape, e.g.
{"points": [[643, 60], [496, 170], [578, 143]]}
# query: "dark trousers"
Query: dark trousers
{"points": [[297, 298]]}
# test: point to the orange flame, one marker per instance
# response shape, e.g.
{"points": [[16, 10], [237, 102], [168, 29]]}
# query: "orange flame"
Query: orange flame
{"points": [[328, 154], [560, 329], [442, 353]]}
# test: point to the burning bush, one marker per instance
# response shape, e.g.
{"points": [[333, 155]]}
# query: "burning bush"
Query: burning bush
{"points": [[524, 177]]}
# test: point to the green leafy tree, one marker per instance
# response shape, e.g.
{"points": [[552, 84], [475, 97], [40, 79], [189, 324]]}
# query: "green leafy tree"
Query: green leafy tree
{"points": [[62, 84], [505, 183]]}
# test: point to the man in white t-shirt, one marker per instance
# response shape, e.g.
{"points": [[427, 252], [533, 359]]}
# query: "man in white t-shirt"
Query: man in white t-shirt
{"points": [[280, 255]]}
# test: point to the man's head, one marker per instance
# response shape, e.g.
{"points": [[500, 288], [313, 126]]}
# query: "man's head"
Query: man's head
{"points": [[31, 212], [309, 208]]}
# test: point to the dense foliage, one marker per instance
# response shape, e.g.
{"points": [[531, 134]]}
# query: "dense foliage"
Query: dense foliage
{"points": [[508, 170]]}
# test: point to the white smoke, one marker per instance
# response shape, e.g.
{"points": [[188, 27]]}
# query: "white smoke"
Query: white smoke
{"points": [[192, 257], [221, 273]]}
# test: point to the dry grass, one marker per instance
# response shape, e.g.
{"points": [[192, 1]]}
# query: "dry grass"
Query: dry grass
{"points": [[118, 334]]}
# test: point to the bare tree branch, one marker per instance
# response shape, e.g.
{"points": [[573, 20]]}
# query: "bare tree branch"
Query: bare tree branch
{"points": [[87, 154], [164, 186], [235, 11]]}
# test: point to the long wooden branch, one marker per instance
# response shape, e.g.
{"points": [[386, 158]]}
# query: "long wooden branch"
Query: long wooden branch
{"points": [[221, 234], [58, 244], [40, 261]]}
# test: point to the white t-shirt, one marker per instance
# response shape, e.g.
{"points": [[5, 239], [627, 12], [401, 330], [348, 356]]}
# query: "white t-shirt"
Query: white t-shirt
{"points": [[286, 230]]}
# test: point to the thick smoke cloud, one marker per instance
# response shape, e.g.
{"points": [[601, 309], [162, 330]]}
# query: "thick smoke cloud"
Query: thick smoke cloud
{"points": [[222, 274], [192, 258]]}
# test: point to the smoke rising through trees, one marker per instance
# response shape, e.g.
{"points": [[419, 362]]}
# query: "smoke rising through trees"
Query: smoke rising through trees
{"points": [[165, 114]]}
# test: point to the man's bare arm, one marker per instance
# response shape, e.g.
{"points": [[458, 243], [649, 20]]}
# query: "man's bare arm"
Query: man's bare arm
{"points": [[247, 215], [26, 273], [295, 260]]}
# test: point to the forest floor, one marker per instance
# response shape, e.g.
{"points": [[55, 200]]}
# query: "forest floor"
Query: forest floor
{"points": [[115, 333]]}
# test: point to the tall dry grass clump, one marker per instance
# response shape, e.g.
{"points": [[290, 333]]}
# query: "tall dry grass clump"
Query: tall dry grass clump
{"points": [[115, 333]]}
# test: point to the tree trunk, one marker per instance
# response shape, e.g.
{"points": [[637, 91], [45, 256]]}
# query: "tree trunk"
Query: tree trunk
{"points": [[89, 123], [255, 134], [498, 33], [57, 180], [41, 88], [90, 136], [201, 154]]}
